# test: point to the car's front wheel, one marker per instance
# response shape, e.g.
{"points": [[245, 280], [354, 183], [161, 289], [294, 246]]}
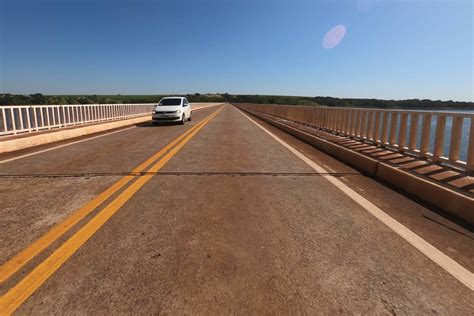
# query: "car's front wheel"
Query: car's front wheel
{"points": [[183, 119]]}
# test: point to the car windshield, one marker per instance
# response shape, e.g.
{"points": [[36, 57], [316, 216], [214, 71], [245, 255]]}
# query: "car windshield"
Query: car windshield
{"points": [[167, 102]]}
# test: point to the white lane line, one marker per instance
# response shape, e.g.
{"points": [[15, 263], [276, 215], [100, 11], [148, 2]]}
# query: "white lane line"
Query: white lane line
{"points": [[329, 168], [449, 265], [206, 106], [64, 145], [80, 141]]}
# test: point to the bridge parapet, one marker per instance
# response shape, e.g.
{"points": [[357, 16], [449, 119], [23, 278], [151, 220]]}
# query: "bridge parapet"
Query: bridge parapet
{"points": [[17, 119], [31, 118], [445, 137], [27, 126]]}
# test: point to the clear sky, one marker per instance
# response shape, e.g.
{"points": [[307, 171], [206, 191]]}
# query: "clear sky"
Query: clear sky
{"points": [[377, 49]]}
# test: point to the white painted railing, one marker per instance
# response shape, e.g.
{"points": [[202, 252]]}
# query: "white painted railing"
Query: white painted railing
{"points": [[446, 137], [29, 118]]}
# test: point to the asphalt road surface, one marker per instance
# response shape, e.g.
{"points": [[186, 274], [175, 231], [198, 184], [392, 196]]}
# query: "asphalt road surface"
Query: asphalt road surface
{"points": [[218, 216]]}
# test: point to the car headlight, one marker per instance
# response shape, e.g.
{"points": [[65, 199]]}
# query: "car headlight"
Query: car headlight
{"points": [[178, 112], [153, 112]]}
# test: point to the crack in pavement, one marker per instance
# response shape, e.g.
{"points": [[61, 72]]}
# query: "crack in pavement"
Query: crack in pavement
{"points": [[180, 173]]}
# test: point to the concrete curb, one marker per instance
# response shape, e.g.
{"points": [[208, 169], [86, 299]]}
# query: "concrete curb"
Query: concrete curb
{"points": [[454, 203], [41, 139], [457, 204]]}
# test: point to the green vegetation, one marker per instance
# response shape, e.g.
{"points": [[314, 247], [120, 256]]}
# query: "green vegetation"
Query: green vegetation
{"points": [[343, 102], [38, 98]]}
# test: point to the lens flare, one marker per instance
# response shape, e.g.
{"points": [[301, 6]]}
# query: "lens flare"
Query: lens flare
{"points": [[334, 36]]}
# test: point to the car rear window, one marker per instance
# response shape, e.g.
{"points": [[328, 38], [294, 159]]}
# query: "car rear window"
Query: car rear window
{"points": [[166, 102]]}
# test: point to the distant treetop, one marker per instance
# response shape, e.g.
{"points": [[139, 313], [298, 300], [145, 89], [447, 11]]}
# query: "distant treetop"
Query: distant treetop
{"points": [[38, 98]]}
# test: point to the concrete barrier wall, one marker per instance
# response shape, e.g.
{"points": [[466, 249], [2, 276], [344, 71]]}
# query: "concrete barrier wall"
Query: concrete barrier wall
{"points": [[33, 140], [454, 203]]}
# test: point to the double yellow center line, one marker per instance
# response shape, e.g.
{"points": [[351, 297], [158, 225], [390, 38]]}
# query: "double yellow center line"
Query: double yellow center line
{"points": [[32, 281]]}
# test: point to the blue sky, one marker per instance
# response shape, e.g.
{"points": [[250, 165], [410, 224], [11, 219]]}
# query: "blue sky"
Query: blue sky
{"points": [[391, 49]]}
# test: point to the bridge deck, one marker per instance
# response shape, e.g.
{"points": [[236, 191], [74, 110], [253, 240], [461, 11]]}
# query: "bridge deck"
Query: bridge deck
{"points": [[232, 222]]}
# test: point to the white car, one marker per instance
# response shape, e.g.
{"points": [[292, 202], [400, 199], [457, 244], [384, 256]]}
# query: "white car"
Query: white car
{"points": [[172, 109]]}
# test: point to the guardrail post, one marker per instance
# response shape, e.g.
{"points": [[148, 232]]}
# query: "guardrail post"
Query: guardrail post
{"points": [[330, 119], [313, 116], [470, 148], [81, 113], [47, 117], [377, 127], [53, 112], [402, 133], [4, 119], [357, 123], [28, 120], [12, 116], [455, 143], [351, 127], [413, 131], [21, 119], [68, 111], [41, 116], [425, 135], [345, 122], [370, 126], [393, 128], [62, 116], [363, 127], [385, 128]]}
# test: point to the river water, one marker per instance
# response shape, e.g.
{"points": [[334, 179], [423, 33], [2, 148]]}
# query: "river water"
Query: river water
{"points": [[449, 122]]}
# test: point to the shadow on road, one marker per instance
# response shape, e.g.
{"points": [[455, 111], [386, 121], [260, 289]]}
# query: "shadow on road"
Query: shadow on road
{"points": [[160, 124]]}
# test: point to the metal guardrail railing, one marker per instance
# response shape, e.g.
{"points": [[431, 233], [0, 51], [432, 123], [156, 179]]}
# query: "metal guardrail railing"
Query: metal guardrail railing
{"points": [[446, 137], [17, 119]]}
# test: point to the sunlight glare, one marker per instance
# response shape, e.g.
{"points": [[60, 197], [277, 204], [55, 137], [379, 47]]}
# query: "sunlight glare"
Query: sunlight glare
{"points": [[334, 36]]}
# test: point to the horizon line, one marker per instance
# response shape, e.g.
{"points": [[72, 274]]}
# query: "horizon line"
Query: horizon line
{"points": [[242, 94]]}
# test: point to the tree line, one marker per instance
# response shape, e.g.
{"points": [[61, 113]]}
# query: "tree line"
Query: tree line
{"points": [[349, 102], [38, 98]]}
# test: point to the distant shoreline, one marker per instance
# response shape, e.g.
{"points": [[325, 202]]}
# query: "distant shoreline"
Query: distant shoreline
{"points": [[410, 104]]}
